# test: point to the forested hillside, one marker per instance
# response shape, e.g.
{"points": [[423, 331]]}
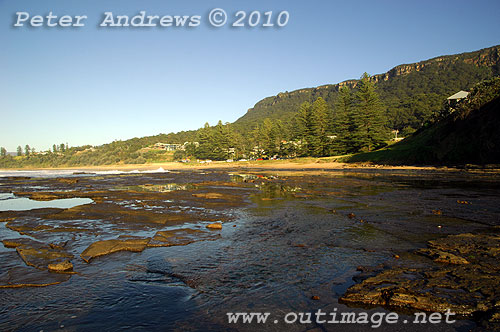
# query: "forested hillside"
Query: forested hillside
{"points": [[412, 94], [132, 151]]}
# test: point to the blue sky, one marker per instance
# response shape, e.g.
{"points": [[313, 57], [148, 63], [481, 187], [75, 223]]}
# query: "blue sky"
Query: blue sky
{"points": [[92, 85]]}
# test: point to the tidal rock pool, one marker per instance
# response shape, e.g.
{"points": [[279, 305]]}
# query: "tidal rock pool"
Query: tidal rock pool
{"points": [[9, 202], [180, 250]]}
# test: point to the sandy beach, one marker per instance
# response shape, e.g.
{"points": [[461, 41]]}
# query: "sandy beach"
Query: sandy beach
{"points": [[298, 164]]}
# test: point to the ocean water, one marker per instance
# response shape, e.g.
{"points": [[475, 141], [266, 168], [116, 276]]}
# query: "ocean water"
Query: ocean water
{"points": [[63, 173]]}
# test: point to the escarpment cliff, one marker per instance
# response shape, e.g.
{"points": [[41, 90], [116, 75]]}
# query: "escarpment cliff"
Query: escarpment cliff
{"points": [[412, 93]]}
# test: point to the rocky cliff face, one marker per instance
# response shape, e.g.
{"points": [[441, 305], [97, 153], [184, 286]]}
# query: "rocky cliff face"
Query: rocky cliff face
{"points": [[488, 57]]}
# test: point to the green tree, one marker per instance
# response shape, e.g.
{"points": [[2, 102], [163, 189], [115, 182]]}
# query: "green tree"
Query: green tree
{"points": [[27, 150], [19, 150], [220, 142], [61, 147], [302, 121], [311, 128], [54, 148], [320, 122], [3, 152], [276, 135], [190, 149], [305, 129], [267, 136], [257, 139], [340, 121], [368, 121], [206, 147]]}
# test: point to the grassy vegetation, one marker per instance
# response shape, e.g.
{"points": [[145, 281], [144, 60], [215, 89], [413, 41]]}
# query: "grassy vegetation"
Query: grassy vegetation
{"points": [[413, 150]]}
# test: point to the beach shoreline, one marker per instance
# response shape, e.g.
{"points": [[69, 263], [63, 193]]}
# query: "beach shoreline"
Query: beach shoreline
{"points": [[264, 165]]}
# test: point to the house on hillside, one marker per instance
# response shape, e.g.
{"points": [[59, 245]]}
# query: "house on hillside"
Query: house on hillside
{"points": [[453, 100], [167, 146]]}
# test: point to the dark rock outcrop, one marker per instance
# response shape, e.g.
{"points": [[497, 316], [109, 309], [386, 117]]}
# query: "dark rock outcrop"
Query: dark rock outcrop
{"points": [[463, 276], [180, 237], [29, 277]]}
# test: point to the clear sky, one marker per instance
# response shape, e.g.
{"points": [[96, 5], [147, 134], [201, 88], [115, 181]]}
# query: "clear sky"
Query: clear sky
{"points": [[92, 85]]}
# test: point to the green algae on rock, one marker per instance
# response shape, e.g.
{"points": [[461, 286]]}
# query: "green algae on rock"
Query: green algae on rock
{"points": [[38, 254]]}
